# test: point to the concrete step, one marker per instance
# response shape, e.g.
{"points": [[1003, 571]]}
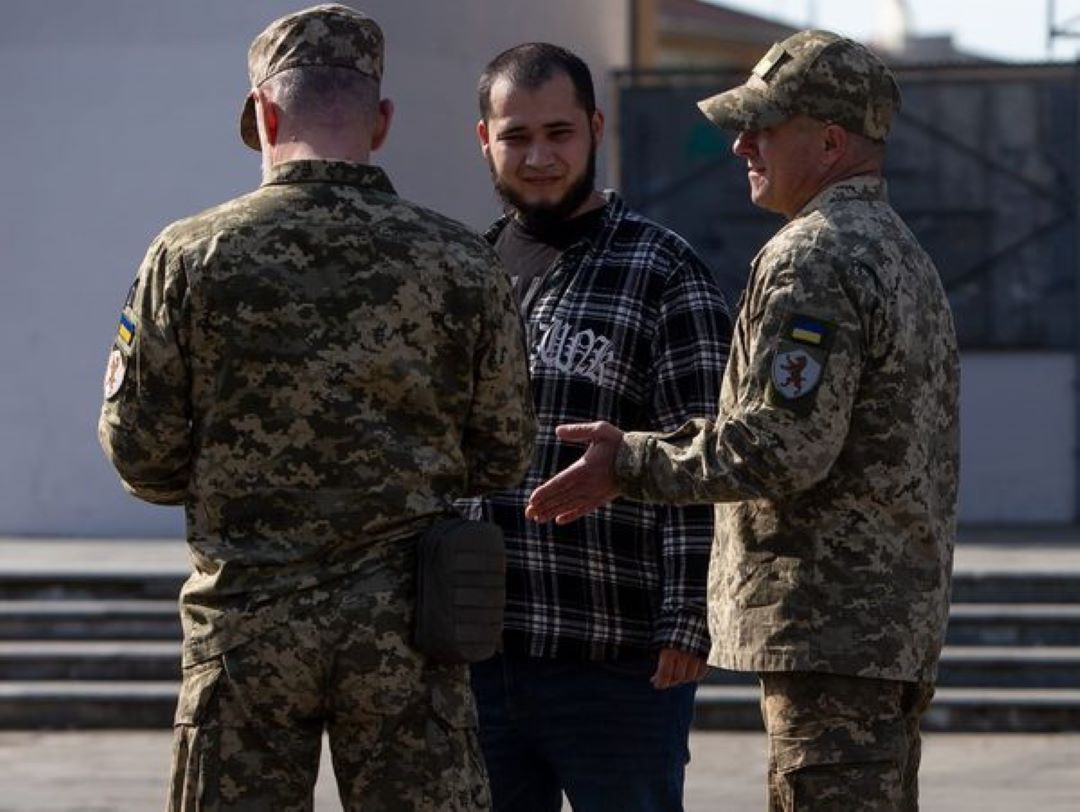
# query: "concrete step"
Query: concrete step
{"points": [[53, 583], [953, 710], [94, 660], [1016, 587], [961, 666], [1010, 667], [116, 619], [1013, 710], [1003, 624], [150, 705], [86, 705], [980, 667], [89, 620], [82, 586]]}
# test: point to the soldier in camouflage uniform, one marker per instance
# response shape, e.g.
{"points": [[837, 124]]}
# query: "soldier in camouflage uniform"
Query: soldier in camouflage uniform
{"points": [[316, 370], [834, 458]]}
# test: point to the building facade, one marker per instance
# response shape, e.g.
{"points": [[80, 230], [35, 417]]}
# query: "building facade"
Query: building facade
{"points": [[121, 116]]}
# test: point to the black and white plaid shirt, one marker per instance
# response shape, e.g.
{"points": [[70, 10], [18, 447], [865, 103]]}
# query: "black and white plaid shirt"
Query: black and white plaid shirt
{"points": [[628, 326]]}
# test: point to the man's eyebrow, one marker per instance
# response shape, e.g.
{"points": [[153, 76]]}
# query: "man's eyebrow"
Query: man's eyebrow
{"points": [[515, 129]]}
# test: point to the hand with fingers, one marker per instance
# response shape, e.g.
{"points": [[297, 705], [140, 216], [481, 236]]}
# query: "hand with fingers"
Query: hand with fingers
{"points": [[678, 668], [587, 484]]}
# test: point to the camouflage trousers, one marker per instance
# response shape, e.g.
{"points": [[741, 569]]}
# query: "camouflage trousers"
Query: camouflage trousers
{"points": [[402, 730], [842, 744]]}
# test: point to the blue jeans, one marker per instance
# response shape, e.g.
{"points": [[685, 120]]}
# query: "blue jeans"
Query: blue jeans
{"points": [[597, 731]]}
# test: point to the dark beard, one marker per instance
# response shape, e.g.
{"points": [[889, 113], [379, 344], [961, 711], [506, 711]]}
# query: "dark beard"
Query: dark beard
{"points": [[543, 219]]}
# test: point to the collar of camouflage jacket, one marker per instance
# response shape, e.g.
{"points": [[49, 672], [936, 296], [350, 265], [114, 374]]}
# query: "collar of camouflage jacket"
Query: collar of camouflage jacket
{"points": [[341, 172], [861, 187]]}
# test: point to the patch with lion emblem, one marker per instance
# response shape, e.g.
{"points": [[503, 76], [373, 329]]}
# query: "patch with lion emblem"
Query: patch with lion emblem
{"points": [[798, 365]]}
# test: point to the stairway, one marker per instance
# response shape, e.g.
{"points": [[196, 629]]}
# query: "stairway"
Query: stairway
{"points": [[89, 641], [89, 633]]}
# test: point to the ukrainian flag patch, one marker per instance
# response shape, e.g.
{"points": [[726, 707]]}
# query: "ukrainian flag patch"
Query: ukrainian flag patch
{"points": [[126, 329], [808, 330]]}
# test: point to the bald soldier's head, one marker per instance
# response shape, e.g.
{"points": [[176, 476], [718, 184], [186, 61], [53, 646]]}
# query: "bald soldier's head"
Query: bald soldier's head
{"points": [[315, 78]]}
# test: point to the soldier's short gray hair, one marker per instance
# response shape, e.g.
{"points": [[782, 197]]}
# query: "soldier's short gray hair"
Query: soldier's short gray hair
{"points": [[327, 96]]}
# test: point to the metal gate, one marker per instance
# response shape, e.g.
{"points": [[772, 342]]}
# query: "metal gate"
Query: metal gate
{"points": [[982, 164]]}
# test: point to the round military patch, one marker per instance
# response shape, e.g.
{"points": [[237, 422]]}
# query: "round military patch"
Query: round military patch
{"points": [[114, 373], [795, 373]]}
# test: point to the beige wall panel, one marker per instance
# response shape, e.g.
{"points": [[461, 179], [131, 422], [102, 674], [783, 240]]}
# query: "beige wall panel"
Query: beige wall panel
{"points": [[120, 116]]}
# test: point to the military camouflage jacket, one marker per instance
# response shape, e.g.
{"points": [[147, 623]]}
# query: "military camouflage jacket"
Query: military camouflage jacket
{"points": [[315, 370], [835, 454]]}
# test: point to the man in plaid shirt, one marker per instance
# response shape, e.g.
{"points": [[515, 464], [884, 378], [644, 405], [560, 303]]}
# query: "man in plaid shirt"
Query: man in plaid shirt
{"points": [[605, 635]]}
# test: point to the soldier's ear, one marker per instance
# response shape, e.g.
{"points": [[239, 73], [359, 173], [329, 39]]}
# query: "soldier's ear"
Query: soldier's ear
{"points": [[266, 117], [835, 142], [484, 135], [382, 123]]}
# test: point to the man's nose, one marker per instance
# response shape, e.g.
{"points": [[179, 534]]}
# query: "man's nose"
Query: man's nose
{"points": [[538, 154], [744, 145]]}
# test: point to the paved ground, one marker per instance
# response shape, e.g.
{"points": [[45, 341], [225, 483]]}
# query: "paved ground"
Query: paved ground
{"points": [[125, 772]]}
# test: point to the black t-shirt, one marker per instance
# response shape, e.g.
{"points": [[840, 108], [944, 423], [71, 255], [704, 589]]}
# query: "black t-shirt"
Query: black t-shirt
{"points": [[527, 256]]}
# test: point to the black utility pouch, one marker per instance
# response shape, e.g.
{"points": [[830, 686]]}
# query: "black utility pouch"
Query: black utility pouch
{"points": [[460, 590]]}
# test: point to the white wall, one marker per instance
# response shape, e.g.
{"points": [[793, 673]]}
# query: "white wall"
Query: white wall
{"points": [[120, 116], [1018, 438]]}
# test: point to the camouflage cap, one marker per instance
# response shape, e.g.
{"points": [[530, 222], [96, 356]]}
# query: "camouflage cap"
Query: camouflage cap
{"points": [[329, 35], [815, 73]]}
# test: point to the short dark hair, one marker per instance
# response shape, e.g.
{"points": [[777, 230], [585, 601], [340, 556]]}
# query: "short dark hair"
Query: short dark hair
{"points": [[530, 65], [325, 94]]}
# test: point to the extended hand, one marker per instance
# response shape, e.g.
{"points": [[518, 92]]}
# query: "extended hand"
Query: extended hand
{"points": [[678, 667], [587, 484]]}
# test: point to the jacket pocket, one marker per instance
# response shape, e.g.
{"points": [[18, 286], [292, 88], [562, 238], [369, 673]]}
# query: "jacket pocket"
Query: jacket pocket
{"points": [[199, 685]]}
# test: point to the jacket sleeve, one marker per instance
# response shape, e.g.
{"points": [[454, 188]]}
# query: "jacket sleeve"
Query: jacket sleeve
{"points": [[501, 428], [799, 347], [689, 353], [145, 423]]}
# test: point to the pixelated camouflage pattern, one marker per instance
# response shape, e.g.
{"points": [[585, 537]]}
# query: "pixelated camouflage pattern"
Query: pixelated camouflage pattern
{"points": [[842, 744], [316, 366], [402, 731], [834, 542], [815, 73], [329, 35]]}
